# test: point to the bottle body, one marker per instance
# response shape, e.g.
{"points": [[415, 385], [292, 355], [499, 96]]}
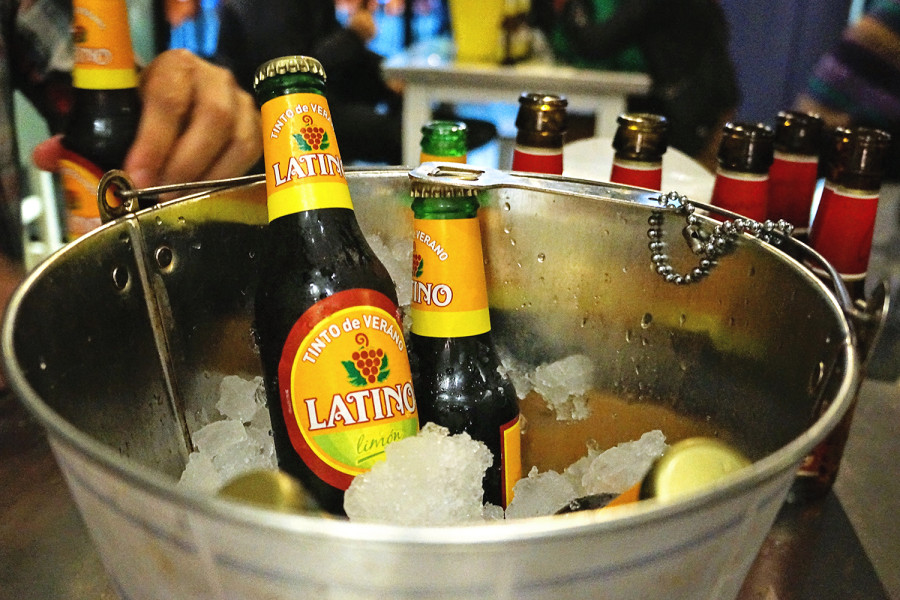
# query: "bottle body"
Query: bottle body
{"points": [[794, 170], [444, 141], [841, 232], [742, 177], [105, 111], [639, 144], [454, 362], [337, 374], [541, 124]]}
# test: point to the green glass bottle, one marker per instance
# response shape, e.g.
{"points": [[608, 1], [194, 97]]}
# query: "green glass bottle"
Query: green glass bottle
{"points": [[452, 354], [337, 375], [444, 141]]}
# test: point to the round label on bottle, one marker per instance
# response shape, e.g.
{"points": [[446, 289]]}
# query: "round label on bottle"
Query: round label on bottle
{"points": [[80, 179], [538, 160], [303, 163], [346, 386], [104, 59], [449, 297]]}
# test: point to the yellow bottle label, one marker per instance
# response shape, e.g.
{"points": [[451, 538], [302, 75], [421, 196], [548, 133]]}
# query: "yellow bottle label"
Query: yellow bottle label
{"points": [[304, 170], [511, 455], [104, 59], [449, 285], [346, 384]]}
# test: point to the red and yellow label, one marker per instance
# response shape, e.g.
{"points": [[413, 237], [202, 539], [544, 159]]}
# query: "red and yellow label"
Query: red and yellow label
{"points": [[511, 457], [746, 194], [304, 170], [449, 297], [638, 174], [80, 180], [104, 59], [346, 386]]}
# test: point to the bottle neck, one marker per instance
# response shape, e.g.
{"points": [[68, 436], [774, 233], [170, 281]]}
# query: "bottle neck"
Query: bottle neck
{"points": [[104, 59], [304, 170], [449, 297]]}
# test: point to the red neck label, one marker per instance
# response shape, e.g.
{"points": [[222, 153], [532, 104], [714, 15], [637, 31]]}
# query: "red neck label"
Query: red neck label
{"points": [[843, 227], [743, 193], [792, 184], [538, 160], [639, 174]]}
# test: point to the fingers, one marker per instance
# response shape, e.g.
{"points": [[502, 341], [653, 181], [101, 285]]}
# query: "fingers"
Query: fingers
{"points": [[196, 123], [46, 154]]}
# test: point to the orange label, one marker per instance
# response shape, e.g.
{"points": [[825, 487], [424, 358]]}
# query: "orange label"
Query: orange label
{"points": [[346, 385], [80, 180], [104, 59], [511, 456], [304, 170], [449, 297]]}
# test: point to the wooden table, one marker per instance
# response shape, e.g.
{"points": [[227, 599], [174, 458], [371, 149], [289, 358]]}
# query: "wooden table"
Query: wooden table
{"points": [[430, 75]]}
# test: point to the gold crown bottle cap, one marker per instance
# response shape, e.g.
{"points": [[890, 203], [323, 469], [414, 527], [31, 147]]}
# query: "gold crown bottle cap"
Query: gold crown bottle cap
{"points": [[288, 64]]}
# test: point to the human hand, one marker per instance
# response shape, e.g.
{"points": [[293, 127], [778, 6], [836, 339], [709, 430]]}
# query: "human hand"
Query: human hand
{"points": [[362, 23], [196, 124]]}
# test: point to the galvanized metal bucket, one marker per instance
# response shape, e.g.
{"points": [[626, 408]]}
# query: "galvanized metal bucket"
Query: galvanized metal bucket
{"points": [[119, 341]]}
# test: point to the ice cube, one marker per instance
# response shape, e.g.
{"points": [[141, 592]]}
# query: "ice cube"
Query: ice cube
{"points": [[245, 455], [623, 466], [397, 259], [237, 397], [540, 494], [433, 478], [517, 372], [200, 474], [563, 384], [213, 438]]}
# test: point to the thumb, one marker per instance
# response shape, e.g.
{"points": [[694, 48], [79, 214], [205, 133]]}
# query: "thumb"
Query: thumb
{"points": [[46, 154]]}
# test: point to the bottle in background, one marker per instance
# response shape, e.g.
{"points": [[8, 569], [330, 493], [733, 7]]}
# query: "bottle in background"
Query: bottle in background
{"points": [[454, 361], [444, 141], [105, 109], [540, 133], [337, 375], [640, 142], [842, 232], [742, 177], [794, 170]]}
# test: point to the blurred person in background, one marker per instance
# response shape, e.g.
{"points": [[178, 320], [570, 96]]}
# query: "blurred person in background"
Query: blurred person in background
{"points": [[858, 81], [682, 45], [196, 123], [365, 106]]}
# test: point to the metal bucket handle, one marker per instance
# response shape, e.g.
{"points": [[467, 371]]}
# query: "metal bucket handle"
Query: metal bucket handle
{"points": [[868, 319]]}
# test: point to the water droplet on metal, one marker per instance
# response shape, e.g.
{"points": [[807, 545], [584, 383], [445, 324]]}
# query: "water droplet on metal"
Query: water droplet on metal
{"points": [[646, 320], [541, 257]]}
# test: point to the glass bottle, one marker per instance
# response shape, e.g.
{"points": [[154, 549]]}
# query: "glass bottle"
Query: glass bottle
{"points": [[841, 232], [540, 132], [336, 369], [640, 142], [444, 141], [742, 177], [794, 170], [105, 110], [454, 361]]}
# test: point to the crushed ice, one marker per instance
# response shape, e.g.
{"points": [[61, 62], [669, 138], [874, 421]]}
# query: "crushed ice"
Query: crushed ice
{"points": [[433, 478], [563, 384], [241, 441]]}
